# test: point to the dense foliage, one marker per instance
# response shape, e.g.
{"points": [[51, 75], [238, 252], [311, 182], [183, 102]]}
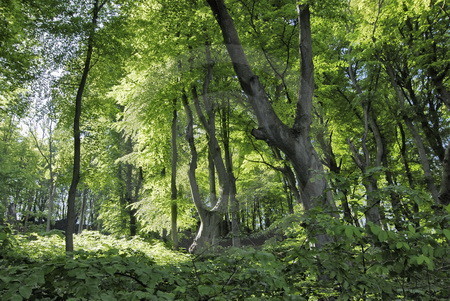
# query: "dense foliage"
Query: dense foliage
{"points": [[298, 150], [361, 264]]}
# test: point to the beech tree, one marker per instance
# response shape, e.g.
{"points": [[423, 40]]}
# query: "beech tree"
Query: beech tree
{"points": [[295, 142]]}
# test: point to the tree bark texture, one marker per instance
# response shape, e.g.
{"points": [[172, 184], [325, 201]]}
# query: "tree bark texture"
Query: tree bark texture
{"points": [[294, 142]]}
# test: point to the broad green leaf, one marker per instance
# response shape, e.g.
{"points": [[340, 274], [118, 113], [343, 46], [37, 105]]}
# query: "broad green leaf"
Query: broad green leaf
{"points": [[25, 291], [375, 229], [382, 235], [446, 233], [349, 232]]}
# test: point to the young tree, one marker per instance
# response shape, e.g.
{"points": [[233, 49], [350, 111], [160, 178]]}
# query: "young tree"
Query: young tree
{"points": [[97, 6]]}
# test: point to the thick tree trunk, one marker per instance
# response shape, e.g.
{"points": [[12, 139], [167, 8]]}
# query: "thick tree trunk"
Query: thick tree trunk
{"points": [[294, 142], [76, 134]]}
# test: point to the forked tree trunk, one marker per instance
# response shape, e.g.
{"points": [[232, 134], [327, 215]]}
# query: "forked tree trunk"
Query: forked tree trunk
{"points": [[294, 142], [206, 111], [209, 217]]}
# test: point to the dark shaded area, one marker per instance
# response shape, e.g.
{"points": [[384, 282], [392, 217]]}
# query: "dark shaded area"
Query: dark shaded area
{"points": [[249, 239]]}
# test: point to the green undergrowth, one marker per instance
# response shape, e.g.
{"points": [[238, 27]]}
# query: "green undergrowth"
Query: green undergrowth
{"points": [[47, 245], [108, 268], [359, 263]]}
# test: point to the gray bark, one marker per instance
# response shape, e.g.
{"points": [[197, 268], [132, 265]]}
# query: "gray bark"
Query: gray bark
{"points": [[209, 217], [294, 142]]}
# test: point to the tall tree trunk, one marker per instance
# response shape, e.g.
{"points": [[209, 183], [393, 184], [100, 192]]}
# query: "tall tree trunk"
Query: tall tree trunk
{"points": [[52, 180], [173, 179], [444, 193], [209, 218], [83, 210], [381, 156], [233, 201], [372, 213], [294, 142], [129, 189], [227, 182], [131, 210], [416, 136], [76, 133]]}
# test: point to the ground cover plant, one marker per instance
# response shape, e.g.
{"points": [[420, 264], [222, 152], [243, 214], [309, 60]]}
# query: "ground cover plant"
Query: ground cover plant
{"points": [[224, 150], [361, 264]]}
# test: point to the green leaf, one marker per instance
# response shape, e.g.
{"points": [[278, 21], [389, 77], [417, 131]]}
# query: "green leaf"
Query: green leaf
{"points": [[349, 232], [375, 229], [25, 291], [204, 290], [446, 233], [382, 236], [421, 259], [16, 298]]}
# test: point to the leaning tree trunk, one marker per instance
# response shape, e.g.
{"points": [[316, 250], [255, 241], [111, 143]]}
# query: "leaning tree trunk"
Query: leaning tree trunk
{"points": [[294, 142], [76, 133]]}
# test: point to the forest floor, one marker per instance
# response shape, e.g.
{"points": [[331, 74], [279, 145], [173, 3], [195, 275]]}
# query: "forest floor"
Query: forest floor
{"points": [[104, 267]]}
